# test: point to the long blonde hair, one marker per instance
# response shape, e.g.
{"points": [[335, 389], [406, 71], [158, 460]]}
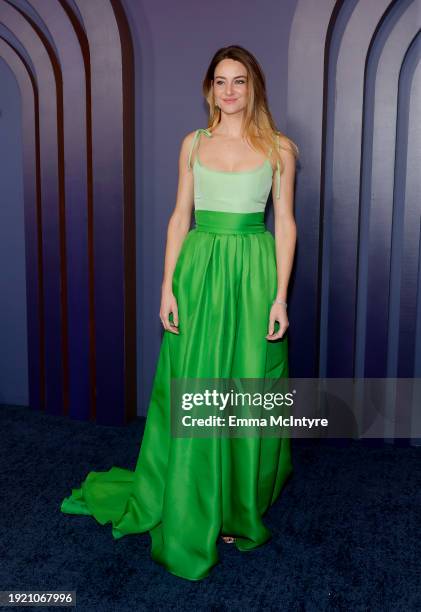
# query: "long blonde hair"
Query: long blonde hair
{"points": [[259, 127]]}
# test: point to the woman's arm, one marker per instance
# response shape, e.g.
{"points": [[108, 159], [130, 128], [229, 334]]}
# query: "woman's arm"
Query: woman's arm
{"points": [[285, 240], [178, 227]]}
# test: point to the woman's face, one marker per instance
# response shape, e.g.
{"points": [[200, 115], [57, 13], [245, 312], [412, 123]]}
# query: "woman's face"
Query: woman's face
{"points": [[230, 86]]}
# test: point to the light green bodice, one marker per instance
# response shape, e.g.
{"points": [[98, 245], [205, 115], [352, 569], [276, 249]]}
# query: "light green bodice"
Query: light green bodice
{"points": [[238, 192]]}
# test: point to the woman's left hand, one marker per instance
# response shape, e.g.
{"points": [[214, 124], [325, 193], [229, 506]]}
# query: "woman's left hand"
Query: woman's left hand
{"points": [[277, 313]]}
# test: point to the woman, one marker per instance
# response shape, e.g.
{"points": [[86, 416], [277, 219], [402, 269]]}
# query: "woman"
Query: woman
{"points": [[224, 290]]}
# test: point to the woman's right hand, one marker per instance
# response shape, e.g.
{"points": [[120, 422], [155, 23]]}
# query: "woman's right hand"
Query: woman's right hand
{"points": [[168, 306]]}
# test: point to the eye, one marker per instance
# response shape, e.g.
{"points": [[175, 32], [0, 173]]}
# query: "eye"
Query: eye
{"points": [[238, 81]]}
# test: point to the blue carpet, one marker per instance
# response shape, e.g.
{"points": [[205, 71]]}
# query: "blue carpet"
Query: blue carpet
{"points": [[346, 528]]}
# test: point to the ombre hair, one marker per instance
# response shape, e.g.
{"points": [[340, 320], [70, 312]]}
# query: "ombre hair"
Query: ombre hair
{"points": [[258, 126]]}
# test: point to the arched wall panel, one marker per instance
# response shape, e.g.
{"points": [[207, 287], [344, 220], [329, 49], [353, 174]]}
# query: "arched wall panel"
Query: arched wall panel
{"points": [[33, 252], [14, 42], [407, 204], [413, 194], [343, 208], [52, 202], [306, 63], [405, 248], [77, 214], [112, 84], [338, 24], [376, 200], [26, 8]]}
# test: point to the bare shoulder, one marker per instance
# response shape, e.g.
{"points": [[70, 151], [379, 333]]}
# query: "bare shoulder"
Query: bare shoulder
{"points": [[188, 139], [187, 153], [185, 149], [285, 146], [288, 153]]}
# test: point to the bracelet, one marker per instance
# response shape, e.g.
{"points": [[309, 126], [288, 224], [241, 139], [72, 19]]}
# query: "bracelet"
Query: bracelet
{"points": [[280, 302]]}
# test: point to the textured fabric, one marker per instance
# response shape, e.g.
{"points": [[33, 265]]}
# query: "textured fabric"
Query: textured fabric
{"points": [[188, 491]]}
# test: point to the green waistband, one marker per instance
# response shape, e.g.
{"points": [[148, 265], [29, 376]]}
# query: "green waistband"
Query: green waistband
{"points": [[229, 223]]}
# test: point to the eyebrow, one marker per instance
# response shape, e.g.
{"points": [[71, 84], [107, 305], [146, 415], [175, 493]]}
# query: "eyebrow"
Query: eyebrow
{"points": [[242, 76]]}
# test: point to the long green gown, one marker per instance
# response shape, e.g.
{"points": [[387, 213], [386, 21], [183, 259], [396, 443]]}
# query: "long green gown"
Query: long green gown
{"points": [[188, 491]]}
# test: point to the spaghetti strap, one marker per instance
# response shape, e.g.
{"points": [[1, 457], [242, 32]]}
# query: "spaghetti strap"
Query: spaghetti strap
{"points": [[194, 141], [278, 180], [277, 171]]}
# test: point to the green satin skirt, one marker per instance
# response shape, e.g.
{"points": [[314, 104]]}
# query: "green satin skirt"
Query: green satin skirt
{"points": [[186, 492]]}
